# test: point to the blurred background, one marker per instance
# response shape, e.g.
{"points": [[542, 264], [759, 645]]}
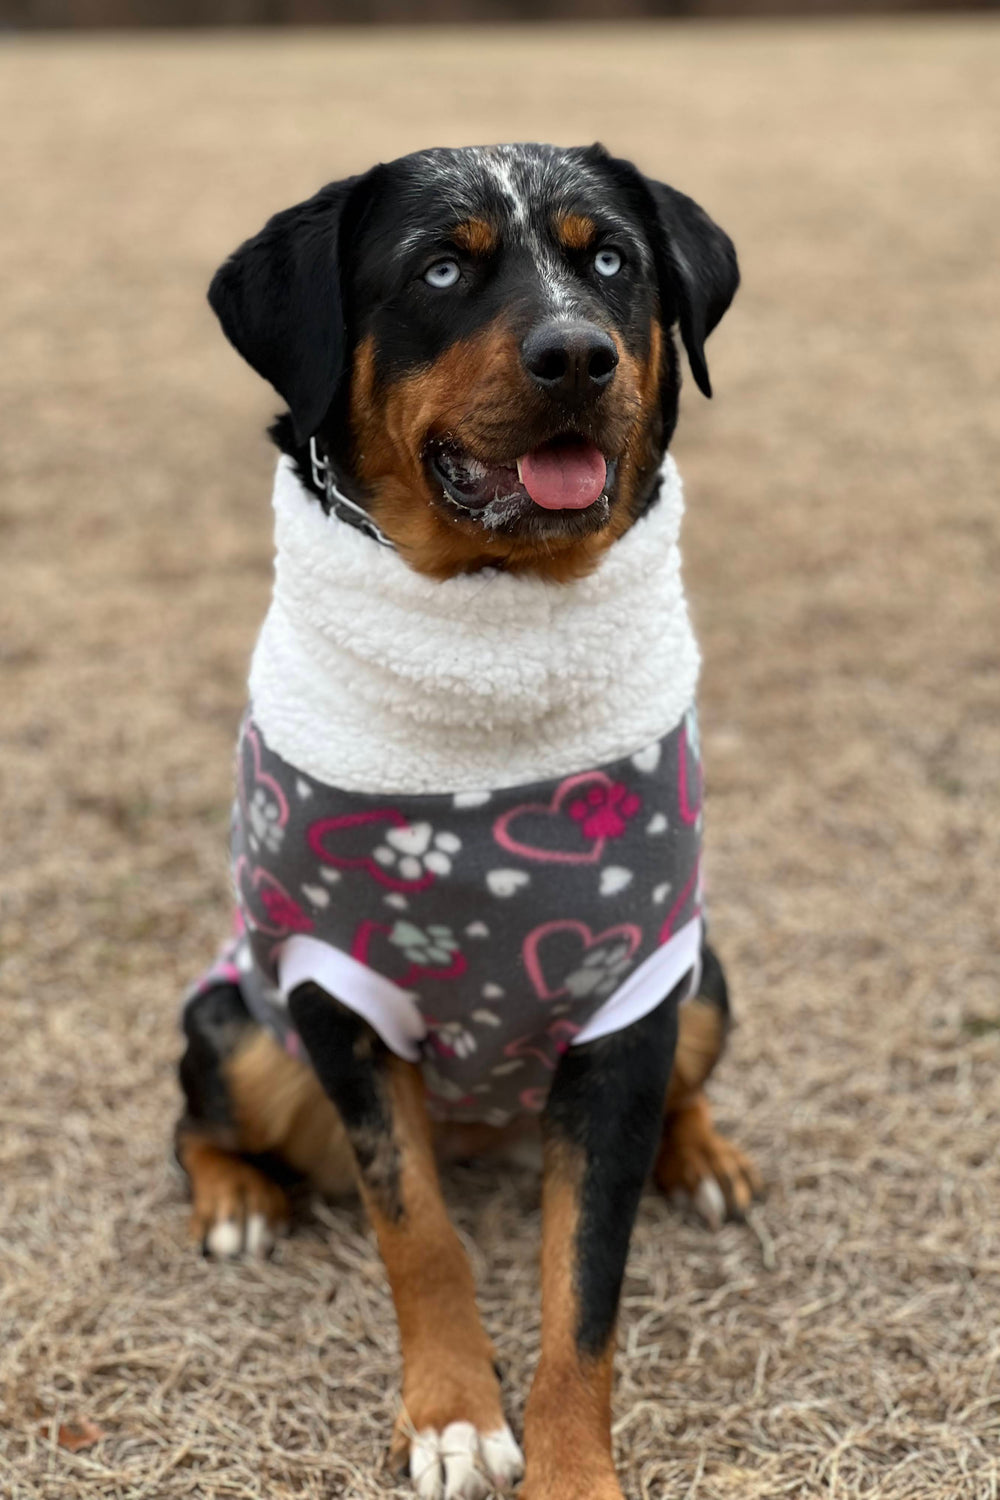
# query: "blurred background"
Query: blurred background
{"points": [[322, 12], [842, 552]]}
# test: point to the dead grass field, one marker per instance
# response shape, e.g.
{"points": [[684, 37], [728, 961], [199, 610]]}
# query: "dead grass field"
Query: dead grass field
{"points": [[843, 555]]}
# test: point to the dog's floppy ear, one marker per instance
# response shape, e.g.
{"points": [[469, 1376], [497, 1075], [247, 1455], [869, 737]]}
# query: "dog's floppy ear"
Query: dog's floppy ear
{"points": [[695, 260], [699, 261], [278, 298]]}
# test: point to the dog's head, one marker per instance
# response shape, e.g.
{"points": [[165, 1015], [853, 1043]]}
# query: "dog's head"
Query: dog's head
{"points": [[481, 341]]}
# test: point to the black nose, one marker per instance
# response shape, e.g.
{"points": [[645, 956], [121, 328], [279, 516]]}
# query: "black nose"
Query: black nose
{"points": [[570, 360]]}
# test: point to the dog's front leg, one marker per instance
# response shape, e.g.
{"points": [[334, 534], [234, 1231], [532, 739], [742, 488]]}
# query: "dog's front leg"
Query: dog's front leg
{"points": [[601, 1128], [452, 1426]]}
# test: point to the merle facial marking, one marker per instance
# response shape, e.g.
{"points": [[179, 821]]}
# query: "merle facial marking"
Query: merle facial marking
{"points": [[478, 338]]}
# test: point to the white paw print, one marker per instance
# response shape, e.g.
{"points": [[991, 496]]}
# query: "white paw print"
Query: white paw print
{"points": [[453, 1038], [263, 814], [433, 947], [411, 851], [600, 971]]}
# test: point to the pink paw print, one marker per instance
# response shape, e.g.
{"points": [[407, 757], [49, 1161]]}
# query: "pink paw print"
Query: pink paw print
{"points": [[605, 810]]}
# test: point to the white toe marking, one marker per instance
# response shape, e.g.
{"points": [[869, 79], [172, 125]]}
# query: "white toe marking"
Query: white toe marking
{"points": [[425, 1466], [225, 1239], [463, 1478], [463, 1464], [710, 1202], [501, 1455], [260, 1239]]}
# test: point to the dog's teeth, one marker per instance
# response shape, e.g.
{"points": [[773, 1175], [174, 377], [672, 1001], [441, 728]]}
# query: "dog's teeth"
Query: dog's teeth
{"points": [[520, 475]]}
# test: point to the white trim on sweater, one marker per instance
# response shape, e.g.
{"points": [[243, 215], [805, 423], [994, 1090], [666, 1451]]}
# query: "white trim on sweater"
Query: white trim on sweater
{"points": [[391, 1011], [371, 677], [394, 1013]]}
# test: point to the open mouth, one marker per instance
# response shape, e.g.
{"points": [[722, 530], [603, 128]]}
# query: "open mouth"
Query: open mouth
{"points": [[564, 474]]}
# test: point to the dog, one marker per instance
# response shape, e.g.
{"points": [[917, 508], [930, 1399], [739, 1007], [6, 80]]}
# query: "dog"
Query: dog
{"points": [[466, 839]]}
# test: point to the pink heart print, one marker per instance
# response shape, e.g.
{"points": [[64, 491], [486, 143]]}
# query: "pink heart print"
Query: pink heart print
{"points": [[330, 827], [361, 947], [261, 778], [690, 806], [548, 1048], [259, 891], [598, 814], [690, 885], [535, 939]]}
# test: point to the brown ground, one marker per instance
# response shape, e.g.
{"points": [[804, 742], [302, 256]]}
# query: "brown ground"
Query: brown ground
{"points": [[843, 556]]}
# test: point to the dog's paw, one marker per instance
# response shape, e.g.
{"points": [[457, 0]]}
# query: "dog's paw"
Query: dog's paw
{"points": [[699, 1165], [236, 1210], [462, 1463]]}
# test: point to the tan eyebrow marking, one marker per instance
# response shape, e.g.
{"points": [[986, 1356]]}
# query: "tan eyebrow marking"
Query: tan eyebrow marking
{"points": [[476, 236], [575, 231]]}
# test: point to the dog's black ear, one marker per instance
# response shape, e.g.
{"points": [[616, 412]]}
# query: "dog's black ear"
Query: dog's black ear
{"points": [[698, 260], [278, 298], [695, 259]]}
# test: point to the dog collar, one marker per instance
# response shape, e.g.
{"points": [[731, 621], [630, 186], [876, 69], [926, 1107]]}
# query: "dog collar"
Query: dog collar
{"points": [[339, 504]]}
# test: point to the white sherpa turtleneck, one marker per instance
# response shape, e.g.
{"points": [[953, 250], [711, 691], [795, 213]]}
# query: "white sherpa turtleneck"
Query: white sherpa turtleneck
{"points": [[372, 677]]}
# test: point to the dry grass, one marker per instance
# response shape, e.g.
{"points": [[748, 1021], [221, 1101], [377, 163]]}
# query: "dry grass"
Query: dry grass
{"points": [[843, 554]]}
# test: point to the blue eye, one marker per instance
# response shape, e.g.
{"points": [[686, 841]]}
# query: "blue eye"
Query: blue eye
{"points": [[442, 274], [607, 262]]}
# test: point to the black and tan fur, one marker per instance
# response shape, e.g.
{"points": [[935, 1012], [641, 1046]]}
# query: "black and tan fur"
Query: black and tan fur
{"points": [[330, 303]]}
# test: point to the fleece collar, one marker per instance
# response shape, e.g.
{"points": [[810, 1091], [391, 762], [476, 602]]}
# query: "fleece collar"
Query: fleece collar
{"points": [[372, 677]]}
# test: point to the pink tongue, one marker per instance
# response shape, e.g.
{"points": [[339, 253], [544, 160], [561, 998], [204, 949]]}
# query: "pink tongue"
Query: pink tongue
{"points": [[564, 476]]}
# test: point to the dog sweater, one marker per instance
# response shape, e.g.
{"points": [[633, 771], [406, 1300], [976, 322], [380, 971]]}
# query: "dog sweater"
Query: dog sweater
{"points": [[470, 810]]}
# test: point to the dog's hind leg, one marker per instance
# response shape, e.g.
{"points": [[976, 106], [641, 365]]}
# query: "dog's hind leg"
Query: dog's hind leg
{"points": [[256, 1119], [694, 1159], [236, 1205], [451, 1428]]}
